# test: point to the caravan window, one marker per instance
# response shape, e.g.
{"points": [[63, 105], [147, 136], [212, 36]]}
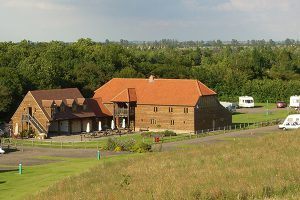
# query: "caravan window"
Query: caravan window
{"points": [[248, 101]]}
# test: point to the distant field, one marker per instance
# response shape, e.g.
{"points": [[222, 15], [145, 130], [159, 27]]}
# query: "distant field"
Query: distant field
{"points": [[257, 168]]}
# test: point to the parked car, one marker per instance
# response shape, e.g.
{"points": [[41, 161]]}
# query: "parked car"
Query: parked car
{"points": [[281, 104]]}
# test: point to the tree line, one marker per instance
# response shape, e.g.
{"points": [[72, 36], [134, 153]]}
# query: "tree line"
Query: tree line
{"points": [[265, 71]]}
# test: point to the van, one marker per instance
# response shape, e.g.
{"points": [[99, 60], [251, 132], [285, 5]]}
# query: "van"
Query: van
{"points": [[246, 102], [291, 122]]}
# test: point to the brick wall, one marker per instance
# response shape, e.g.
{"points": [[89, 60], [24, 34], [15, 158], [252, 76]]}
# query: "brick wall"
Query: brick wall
{"points": [[164, 117], [38, 114]]}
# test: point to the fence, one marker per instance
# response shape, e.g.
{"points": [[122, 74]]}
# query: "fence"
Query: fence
{"points": [[98, 144], [241, 126]]}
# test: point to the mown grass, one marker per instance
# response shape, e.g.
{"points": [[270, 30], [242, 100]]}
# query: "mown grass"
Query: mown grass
{"points": [[259, 168], [258, 117], [265, 115], [14, 186]]}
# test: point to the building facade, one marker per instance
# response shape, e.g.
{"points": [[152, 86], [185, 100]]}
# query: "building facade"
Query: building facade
{"points": [[161, 104], [58, 111]]}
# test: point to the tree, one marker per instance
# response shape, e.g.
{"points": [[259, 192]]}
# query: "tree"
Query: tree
{"points": [[6, 98]]}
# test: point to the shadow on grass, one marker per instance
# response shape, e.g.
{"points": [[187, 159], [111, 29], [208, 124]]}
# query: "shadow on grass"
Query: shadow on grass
{"points": [[9, 150], [237, 113], [258, 106], [7, 170]]}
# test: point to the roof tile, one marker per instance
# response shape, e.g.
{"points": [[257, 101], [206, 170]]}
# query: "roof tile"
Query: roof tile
{"points": [[157, 92]]}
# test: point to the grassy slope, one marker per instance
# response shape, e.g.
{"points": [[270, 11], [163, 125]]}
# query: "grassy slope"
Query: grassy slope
{"points": [[36, 178], [241, 168]]}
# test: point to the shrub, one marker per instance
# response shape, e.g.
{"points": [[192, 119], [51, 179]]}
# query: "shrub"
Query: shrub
{"points": [[169, 133], [159, 134], [115, 144], [124, 145], [118, 149], [141, 147]]}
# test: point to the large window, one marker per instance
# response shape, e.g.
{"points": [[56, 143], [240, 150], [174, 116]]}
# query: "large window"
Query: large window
{"points": [[155, 109], [172, 122]]}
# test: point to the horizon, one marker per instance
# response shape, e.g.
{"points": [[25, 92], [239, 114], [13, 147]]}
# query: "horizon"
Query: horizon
{"points": [[138, 20]]}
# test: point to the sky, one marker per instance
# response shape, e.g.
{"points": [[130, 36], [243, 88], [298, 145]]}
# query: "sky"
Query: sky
{"points": [[149, 20]]}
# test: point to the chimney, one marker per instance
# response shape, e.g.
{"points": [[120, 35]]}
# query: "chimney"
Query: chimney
{"points": [[151, 79]]}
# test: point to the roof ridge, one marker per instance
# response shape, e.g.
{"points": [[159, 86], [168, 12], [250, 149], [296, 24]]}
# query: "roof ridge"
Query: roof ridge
{"points": [[146, 79], [198, 86], [53, 89]]}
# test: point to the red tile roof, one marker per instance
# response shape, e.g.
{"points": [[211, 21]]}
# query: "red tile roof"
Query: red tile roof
{"points": [[127, 95], [98, 108], [55, 94], [158, 92]]}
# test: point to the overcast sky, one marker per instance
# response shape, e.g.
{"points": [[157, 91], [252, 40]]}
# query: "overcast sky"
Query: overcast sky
{"points": [[145, 20]]}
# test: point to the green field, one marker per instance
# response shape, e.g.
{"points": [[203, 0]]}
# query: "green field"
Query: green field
{"points": [[266, 115], [40, 177], [257, 168]]}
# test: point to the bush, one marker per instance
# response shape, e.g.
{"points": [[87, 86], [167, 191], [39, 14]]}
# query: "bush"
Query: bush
{"points": [[118, 149], [27, 133], [115, 144], [159, 134], [169, 133], [141, 147], [124, 145]]}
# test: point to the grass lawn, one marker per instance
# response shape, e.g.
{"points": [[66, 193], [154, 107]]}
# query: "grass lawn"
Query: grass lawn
{"points": [[261, 116], [245, 168], [39, 177], [258, 117]]}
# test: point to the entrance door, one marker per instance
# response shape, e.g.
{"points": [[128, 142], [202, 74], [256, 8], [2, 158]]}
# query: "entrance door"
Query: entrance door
{"points": [[30, 111]]}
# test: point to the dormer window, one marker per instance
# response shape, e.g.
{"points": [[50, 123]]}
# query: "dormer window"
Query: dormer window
{"points": [[84, 107], [74, 107]]}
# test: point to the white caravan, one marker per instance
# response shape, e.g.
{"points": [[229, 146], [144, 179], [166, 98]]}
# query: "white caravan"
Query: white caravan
{"points": [[229, 106], [246, 102], [295, 101], [291, 122]]}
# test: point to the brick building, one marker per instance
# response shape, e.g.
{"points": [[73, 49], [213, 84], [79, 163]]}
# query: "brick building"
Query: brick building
{"points": [[160, 104], [58, 111]]}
